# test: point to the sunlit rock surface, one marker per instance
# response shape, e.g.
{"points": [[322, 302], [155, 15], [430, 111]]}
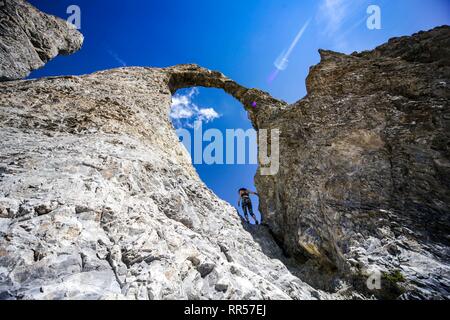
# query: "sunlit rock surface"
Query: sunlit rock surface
{"points": [[99, 199]]}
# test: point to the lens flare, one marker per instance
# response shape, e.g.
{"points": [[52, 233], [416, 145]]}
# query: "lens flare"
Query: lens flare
{"points": [[282, 61]]}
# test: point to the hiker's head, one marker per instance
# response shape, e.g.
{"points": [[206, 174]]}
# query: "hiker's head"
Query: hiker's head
{"points": [[242, 190]]}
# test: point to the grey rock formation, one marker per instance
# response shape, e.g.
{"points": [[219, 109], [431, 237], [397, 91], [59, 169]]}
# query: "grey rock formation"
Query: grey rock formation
{"points": [[30, 38], [99, 200]]}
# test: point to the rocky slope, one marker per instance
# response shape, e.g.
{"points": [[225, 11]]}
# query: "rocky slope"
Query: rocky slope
{"points": [[98, 199], [30, 38]]}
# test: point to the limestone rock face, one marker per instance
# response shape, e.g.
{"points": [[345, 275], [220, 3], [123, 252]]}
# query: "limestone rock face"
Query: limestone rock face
{"points": [[99, 200], [30, 38], [365, 167]]}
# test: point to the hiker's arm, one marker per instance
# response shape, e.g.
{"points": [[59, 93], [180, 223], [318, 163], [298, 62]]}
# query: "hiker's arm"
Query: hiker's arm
{"points": [[255, 193]]}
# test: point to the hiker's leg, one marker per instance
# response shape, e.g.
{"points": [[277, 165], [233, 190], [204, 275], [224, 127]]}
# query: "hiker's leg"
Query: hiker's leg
{"points": [[244, 208], [250, 209]]}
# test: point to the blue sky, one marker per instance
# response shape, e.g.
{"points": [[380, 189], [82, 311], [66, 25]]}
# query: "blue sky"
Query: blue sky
{"points": [[240, 38]]}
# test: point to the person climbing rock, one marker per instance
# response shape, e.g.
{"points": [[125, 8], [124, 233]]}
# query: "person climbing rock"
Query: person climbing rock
{"points": [[244, 196]]}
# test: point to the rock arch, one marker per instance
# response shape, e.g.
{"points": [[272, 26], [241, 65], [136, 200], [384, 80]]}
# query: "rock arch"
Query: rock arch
{"points": [[260, 105]]}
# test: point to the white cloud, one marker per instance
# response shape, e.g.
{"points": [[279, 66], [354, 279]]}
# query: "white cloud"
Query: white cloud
{"points": [[208, 114], [334, 14], [184, 112], [339, 18], [181, 111]]}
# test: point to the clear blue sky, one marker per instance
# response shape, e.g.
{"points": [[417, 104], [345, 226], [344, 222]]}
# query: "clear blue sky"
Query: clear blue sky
{"points": [[240, 38]]}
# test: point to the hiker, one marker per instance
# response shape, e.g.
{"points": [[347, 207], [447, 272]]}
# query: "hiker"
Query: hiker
{"points": [[244, 196]]}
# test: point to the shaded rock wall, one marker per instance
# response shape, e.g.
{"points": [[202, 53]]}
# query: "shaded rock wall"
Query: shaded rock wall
{"points": [[365, 165]]}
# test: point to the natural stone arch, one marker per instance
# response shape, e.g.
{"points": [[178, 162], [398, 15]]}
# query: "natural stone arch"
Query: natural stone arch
{"points": [[259, 104]]}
